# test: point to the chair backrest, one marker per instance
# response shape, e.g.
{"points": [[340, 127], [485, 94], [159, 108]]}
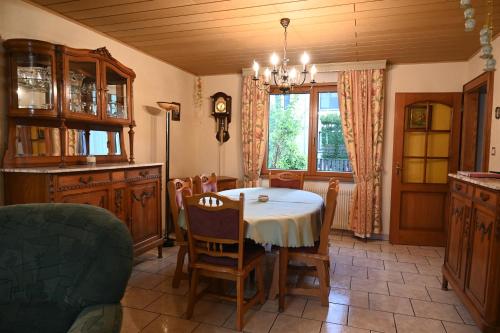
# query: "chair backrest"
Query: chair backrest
{"points": [[204, 183], [55, 260], [331, 205], [176, 188], [214, 223], [286, 179]]}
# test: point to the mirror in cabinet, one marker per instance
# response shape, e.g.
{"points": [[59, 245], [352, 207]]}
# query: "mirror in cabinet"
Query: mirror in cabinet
{"points": [[32, 141], [32, 75], [117, 94], [80, 142], [82, 88]]}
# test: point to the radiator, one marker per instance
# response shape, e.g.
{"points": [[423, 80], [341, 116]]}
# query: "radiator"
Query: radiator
{"points": [[341, 218]]}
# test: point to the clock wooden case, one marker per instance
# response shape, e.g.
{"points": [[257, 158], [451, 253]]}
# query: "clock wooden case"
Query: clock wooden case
{"points": [[221, 111]]}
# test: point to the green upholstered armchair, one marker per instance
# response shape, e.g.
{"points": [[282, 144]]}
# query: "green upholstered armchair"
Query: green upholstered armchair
{"points": [[63, 268]]}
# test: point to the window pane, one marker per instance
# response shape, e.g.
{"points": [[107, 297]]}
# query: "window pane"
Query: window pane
{"points": [[288, 131], [331, 154]]}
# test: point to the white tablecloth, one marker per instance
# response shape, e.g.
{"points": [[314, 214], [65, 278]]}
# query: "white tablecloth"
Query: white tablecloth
{"points": [[290, 218]]}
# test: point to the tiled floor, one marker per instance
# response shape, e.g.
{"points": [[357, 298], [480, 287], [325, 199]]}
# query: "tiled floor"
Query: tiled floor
{"points": [[376, 287]]}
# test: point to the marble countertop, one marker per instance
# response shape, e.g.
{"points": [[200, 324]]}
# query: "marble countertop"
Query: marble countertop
{"points": [[491, 183], [79, 168]]}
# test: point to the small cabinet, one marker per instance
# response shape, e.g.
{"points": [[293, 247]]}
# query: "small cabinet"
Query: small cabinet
{"points": [[472, 261]]}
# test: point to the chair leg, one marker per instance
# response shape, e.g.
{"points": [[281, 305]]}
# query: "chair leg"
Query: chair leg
{"points": [[327, 264], [283, 277], [192, 293], [324, 289], [260, 281], [240, 295], [176, 281]]}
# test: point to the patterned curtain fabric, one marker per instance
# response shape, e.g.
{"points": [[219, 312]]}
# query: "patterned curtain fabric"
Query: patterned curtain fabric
{"points": [[254, 130], [361, 100]]}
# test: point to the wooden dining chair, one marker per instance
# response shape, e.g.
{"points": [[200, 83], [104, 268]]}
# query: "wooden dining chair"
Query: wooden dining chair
{"points": [[217, 249], [176, 188], [315, 257], [294, 180], [204, 183]]}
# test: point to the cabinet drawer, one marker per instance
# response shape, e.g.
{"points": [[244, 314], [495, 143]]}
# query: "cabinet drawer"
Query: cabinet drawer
{"points": [[144, 173], [458, 187], [82, 180], [485, 196]]}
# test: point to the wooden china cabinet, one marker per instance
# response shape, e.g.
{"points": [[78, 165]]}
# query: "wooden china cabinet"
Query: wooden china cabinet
{"points": [[68, 108]]}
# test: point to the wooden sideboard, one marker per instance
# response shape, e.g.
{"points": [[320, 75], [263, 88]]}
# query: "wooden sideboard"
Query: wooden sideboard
{"points": [[130, 191], [226, 183], [472, 260]]}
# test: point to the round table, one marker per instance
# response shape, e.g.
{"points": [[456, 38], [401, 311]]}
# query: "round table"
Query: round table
{"points": [[291, 218]]}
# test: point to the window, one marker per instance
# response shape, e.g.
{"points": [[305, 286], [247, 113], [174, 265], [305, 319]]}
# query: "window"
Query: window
{"points": [[305, 133]]}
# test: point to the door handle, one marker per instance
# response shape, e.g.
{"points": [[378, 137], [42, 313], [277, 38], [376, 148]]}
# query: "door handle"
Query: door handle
{"points": [[398, 169]]}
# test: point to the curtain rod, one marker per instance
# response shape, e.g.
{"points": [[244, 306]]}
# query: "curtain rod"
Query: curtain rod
{"points": [[340, 66]]}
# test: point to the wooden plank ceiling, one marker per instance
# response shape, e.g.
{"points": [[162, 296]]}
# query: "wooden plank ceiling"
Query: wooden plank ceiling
{"points": [[223, 36]]}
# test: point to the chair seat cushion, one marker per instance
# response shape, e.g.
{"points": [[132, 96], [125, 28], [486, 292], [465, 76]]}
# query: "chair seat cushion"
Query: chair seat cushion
{"points": [[305, 249], [250, 252]]}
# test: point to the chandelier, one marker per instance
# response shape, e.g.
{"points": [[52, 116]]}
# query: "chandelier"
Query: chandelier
{"points": [[281, 75]]}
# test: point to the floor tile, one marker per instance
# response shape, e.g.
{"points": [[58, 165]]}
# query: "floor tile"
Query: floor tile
{"points": [[348, 243], [435, 261], [408, 258], [424, 252], [170, 324], [399, 266], [394, 304], [352, 252], [349, 297], [289, 324], [206, 328], [443, 296], [388, 248], [408, 290], [168, 270], [368, 262], [145, 280], [139, 298], [153, 265], [294, 305], [212, 313], [172, 305], [372, 320], [406, 324], [465, 315], [341, 259], [374, 286], [429, 270], [381, 255], [460, 328], [349, 270], [135, 320], [367, 246], [383, 275], [340, 281], [421, 279], [166, 287], [335, 328], [333, 313], [254, 321], [438, 311]]}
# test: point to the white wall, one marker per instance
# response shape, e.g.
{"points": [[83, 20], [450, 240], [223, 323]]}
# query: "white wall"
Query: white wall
{"points": [[475, 68]]}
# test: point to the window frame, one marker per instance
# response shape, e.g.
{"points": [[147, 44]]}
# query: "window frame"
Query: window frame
{"points": [[310, 173]]}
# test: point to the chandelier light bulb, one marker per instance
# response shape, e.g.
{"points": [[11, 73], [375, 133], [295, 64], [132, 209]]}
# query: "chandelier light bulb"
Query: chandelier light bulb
{"points": [[314, 70], [255, 68], [293, 74], [274, 59], [267, 75], [304, 59]]}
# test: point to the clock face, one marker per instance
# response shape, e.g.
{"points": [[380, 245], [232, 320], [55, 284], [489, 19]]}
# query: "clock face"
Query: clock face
{"points": [[220, 105]]}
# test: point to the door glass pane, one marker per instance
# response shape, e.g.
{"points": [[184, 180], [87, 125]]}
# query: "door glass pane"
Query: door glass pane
{"points": [[116, 95], [34, 81], [413, 170], [414, 144], [438, 144], [83, 87], [288, 131], [331, 152], [37, 141], [437, 171], [441, 117]]}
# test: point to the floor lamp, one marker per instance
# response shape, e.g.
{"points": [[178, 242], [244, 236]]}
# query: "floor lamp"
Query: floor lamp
{"points": [[168, 107]]}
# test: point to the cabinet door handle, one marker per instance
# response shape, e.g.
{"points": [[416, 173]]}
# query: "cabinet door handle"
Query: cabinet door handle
{"points": [[458, 187], [484, 196], [85, 181], [144, 173], [398, 169]]}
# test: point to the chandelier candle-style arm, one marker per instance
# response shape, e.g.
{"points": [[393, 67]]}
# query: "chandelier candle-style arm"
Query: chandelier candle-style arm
{"points": [[283, 76]]}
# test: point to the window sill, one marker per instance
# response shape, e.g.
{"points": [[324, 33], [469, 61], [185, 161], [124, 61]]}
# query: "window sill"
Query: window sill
{"points": [[346, 178]]}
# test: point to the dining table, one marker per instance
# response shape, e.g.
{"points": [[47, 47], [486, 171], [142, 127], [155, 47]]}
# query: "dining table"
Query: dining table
{"points": [[289, 218]]}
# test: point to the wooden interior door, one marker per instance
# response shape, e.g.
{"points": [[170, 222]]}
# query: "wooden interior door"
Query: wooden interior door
{"points": [[426, 149]]}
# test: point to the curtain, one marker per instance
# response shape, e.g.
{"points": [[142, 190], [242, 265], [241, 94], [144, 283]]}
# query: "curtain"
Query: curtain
{"points": [[253, 130], [361, 101]]}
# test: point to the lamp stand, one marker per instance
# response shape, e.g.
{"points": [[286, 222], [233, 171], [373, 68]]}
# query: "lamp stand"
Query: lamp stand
{"points": [[167, 242]]}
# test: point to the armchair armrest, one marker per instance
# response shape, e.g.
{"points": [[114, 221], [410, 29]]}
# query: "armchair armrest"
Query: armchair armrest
{"points": [[101, 318]]}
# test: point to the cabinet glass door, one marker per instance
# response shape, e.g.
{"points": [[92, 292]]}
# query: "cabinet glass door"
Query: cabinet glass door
{"points": [[82, 88], [34, 81], [117, 90]]}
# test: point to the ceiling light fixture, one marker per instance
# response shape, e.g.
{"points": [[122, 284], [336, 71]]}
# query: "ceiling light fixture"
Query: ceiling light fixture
{"points": [[283, 76]]}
